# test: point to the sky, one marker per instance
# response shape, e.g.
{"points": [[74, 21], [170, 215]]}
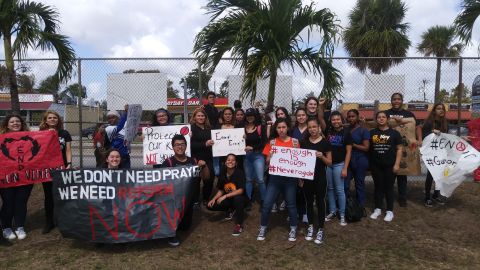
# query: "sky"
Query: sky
{"points": [[146, 28]]}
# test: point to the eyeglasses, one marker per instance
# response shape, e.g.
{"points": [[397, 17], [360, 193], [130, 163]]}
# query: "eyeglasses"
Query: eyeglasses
{"points": [[180, 145]]}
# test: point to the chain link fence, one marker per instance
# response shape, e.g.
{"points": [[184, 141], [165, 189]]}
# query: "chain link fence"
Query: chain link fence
{"points": [[107, 82]]}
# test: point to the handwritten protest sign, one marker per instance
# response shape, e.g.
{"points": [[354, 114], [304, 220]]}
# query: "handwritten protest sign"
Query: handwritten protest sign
{"points": [[28, 156], [292, 162], [133, 121], [157, 142], [228, 141], [449, 159], [115, 206]]}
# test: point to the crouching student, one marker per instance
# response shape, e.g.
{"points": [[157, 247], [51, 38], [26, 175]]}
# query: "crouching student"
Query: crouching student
{"points": [[179, 144], [230, 196]]}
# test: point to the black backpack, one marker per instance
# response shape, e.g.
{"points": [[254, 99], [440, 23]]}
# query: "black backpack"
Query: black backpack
{"points": [[354, 211]]}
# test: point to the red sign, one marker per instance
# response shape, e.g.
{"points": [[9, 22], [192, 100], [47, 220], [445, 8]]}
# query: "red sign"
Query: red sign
{"points": [[27, 157], [195, 102]]}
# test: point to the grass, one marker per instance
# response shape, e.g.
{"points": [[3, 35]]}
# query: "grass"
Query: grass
{"points": [[442, 237]]}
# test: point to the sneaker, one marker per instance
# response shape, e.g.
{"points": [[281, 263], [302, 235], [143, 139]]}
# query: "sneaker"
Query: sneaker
{"points": [[402, 203], [428, 203], [440, 199], [388, 216], [342, 221], [309, 236], [173, 241], [319, 238], [377, 212], [274, 208], [21, 234], [282, 206], [237, 230], [261, 233], [292, 235], [330, 216], [230, 215], [8, 234]]}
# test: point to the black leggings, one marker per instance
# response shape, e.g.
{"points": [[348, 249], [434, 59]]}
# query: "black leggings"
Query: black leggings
{"points": [[47, 191], [383, 178], [237, 203], [428, 187], [14, 205], [316, 189]]}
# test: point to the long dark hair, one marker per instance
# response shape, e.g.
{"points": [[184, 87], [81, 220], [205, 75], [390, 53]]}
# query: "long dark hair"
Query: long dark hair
{"points": [[274, 133], [155, 122], [233, 115], [307, 134], [356, 112], [4, 125], [299, 110], [431, 118], [105, 164], [285, 111]]}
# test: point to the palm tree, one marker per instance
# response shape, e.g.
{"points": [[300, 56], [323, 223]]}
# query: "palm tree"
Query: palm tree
{"points": [[26, 24], [439, 41], [466, 19], [376, 30], [263, 36]]}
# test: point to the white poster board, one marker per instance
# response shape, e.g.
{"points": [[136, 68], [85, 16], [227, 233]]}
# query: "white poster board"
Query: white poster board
{"points": [[449, 159], [157, 142], [292, 162], [228, 141], [134, 115]]}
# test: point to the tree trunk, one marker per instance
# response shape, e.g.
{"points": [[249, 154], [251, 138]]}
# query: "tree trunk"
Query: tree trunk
{"points": [[12, 76], [437, 80], [271, 90]]}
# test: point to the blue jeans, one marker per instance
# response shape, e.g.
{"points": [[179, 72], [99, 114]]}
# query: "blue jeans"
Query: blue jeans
{"points": [[254, 164], [216, 166], [286, 185], [336, 188], [356, 170]]}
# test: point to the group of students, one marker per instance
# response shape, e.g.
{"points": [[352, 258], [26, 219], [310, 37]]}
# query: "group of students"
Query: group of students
{"points": [[345, 150]]}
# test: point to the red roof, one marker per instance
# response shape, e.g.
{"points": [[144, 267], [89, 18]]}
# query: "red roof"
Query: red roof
{"points": [[40, 106], [422, 115]]}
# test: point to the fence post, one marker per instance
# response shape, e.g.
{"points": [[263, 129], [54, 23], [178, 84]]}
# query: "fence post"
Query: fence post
{"points": [[80, 118], [185, 101], [460, 94], [200, 90]]}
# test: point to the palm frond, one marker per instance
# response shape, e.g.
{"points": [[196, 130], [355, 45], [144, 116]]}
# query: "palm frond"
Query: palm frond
{"points": [[465, 21]]}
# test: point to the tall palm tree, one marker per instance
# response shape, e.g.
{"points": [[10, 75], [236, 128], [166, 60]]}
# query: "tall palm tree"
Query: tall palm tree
{"points": [[439, 41], [376, 30], [26, 24], [262, 36], [466, 19]]}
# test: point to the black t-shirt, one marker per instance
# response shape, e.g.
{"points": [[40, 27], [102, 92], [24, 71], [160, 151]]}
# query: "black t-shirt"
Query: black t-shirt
{"points": [[197, 143], [428, 128], [401, 113], [383, 146], [232, 183], [321, 146], [256, 139], [339, 141], [212, 114], [173, 162], [63, 138]]}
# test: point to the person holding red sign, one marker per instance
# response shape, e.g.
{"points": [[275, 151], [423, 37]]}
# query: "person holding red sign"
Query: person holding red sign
{"points": [[277, 184], [51, 121], [14, 207]]}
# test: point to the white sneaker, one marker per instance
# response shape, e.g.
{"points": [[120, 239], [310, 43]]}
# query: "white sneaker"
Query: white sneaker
{"points": [[261, 233], [342, 221], [282, 206], [388, 216], [309, 236], [330, 216], [274, 208], [319, 238], [21, 234], [377, 212], [292, 235], [8, 234]]}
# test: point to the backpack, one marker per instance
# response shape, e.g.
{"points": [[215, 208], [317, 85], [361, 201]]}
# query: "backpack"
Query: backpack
{"points": [[354, 212]]}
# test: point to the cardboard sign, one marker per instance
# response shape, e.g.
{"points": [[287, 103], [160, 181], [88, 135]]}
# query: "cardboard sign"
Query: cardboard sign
{"points": [[228, 141], [157, 142], [27, 157], [134, 116], [292, 162], [449, 159], [115, 206]]}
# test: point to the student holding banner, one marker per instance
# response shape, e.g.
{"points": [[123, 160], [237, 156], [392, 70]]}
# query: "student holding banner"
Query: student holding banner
{"points": [[341, 143], [359, 161], [52, 121], [14, 206], [254, 162], [230, 194], [115, 133], [385, 155], [316, 189], [398, 114], [227, 121], [435, 123], [201, 148], [113, 159], [277, 184]]}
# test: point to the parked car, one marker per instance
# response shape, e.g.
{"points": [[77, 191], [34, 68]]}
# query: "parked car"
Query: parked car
{"points": [[88, 132]]}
